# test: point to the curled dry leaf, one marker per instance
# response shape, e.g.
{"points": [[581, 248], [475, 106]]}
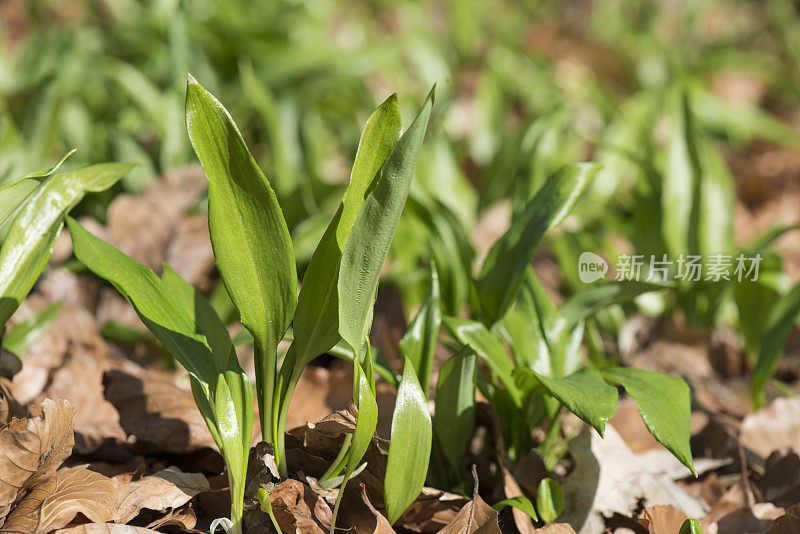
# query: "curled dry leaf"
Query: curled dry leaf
{"points": [[608, 478], [475, 517], [9, 407], [298, 509], [167, 489], [55, 502], [788, 523], [153, 408], [32, 449], [556, 528], [775, 427]]}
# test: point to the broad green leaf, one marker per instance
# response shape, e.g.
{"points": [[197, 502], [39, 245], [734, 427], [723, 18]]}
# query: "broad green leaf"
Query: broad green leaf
{"points": [[371, 235], [409, 448], [691, 526], [184, 321], [681, 176], [488, 347], [520, 503], [419, 343], [716, 203], [549, 500], [664, 405], [14, 193], [31, 330], [584, 393], [316, 321], [597, 297], [252, 246], [505, 265], [776, 329], [31, 237], [455, 405]]}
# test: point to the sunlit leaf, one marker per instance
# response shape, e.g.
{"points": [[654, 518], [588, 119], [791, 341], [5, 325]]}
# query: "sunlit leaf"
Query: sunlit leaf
{"points": [[419, 342]]}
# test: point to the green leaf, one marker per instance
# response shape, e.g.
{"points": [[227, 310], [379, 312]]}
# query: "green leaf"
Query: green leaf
{"points": [[776, 329], [252, 246], [664, 405], [409, 448], [373, 230], [455, 405], [419, 342], [31, 330], [488, 347], [681, 176], [505, 265], [596, 297], [14, 193], [549, 500], [316, 321], [584, 393], [716, 203], [31, 237], [520, 503], [186, 324], [691, 526]]}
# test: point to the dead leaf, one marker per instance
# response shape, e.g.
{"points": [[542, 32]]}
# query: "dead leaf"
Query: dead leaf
{"points": [[32, 449], [161, 415], [141, 226], [69, 288], [9, 407], [55, 502], [105, 528], [747, 520], [662, 519], [319, 392], [74, 326], [183, 518], [382, 525], [775, 427], [10, 364], [608, 478], [298, 509], [189, 251], [167, 489], [475, 517]]}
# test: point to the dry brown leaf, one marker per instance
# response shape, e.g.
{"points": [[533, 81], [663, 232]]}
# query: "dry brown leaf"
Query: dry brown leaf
{"points": [[319, 392], [746, 520], [69, 288], [298, 509], [662, 519], [431, 511], [55, 502], [32, 449], [105, 528], [10, 364], [183, 518], [167, 489], [775, 427], [608, 478], [80, 381], [153, 408], [9, 407], [73, 327], [189, 251], [142, 226], [475, 517]]}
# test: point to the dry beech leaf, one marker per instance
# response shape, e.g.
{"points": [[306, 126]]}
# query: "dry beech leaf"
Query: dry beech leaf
{"points": [[476, 517], [298, 509], [775, 427], [160, 414], [167, 489], [183, 518], [74, 327], [142, 226], [190, 253], [104, 528], [32, 449], [382, 525], [9, 407], [55, 502], [662, 519], [608, 478]]}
